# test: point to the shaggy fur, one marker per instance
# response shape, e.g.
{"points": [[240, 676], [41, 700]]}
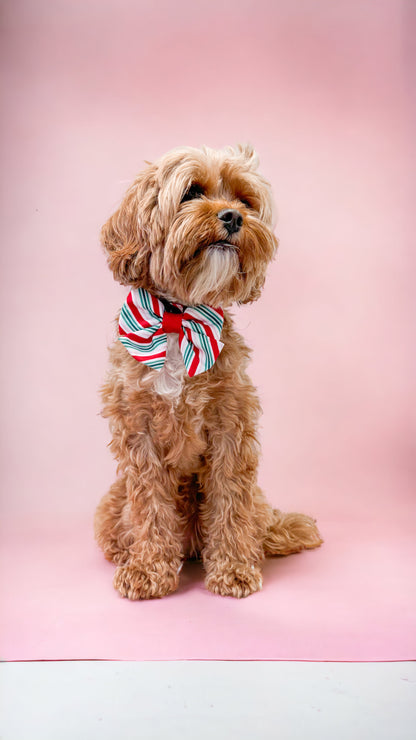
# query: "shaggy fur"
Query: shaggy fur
{"points": [[187, 448]]}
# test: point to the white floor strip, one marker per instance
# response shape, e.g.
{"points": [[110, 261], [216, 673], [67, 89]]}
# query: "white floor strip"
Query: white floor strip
{"points": [[200, 700]]}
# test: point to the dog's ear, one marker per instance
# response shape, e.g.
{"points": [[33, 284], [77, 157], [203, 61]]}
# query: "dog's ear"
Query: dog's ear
{"points": [[255, 291], [255, 283], [126, 237]]}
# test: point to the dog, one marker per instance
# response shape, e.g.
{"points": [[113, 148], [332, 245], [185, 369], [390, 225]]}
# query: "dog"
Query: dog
{"points": [[193, 235]]}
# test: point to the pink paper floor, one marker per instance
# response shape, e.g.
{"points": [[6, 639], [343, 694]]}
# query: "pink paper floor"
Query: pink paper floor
{"points": [[323, 91], [353, 600]]}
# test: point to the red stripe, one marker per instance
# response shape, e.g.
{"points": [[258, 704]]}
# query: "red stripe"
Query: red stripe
{"points": [[213, 341], [190, 317], [155, 303], [208, 330], [135, 311], [136, 338], [145, 358], [203, 322], [194, 363]]}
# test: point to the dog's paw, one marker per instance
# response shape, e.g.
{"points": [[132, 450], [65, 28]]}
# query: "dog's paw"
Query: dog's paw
{"points": [[150, 581], [234, 579]]}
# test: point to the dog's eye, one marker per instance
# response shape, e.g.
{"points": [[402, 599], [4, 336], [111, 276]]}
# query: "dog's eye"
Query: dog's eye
{"points": [[246, 203], [195, 191]]}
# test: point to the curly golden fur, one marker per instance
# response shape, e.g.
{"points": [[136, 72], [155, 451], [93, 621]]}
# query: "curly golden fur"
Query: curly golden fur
{"points": [[187, 447]]}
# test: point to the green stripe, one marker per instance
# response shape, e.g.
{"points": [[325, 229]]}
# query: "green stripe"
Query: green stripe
{"points": [[144, 349], [156, 364], [208, 313], [145, 296], [207, 349], [188, 355], [160, 339], [146, 301], [128, 317]]}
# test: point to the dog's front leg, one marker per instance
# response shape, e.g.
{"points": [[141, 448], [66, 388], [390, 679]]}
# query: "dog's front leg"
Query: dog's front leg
{"points": [[155, 556], [232, 550]]}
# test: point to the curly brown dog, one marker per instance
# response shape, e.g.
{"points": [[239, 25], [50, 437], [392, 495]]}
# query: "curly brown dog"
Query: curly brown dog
{"points": [[192, 236]]}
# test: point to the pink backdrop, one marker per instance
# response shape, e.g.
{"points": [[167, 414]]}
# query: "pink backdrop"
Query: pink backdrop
{"points": [[321, 89]]}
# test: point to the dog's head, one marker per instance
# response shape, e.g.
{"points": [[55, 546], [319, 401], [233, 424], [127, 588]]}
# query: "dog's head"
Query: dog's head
{"points": [[195, 227]]}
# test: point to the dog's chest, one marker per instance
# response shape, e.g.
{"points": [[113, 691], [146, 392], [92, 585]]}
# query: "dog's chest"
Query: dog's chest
{"points": [[178, 421], [169, 380]]}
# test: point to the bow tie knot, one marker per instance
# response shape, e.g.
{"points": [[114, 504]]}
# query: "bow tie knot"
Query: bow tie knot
{"points": [[145, 322], [172, 322]]}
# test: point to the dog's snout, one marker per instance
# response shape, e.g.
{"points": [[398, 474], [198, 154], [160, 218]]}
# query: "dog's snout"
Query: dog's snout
{"points": [[231, 219]]}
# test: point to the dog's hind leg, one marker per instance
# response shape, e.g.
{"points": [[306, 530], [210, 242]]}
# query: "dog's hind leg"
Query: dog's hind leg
{"points": [[111, 527]]}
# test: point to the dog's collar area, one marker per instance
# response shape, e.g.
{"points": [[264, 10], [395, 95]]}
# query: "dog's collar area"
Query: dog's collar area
{"points": [[172, 306], [146, 321]]}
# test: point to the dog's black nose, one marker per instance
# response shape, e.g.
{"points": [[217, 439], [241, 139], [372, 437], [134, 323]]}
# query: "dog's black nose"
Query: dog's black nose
{"points": [[231, 219]]}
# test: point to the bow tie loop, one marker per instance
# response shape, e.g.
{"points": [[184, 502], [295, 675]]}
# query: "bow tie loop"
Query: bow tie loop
{"points": [[145, 322]]}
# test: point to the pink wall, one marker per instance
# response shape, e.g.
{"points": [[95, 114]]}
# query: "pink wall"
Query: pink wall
{"points": [[321, 89]]}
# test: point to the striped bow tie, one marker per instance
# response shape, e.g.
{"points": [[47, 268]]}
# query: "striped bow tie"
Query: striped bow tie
{"points": [[145, 322]]}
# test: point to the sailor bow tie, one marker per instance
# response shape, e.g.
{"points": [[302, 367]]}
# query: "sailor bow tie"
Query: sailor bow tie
{"points": [[145, 321]]}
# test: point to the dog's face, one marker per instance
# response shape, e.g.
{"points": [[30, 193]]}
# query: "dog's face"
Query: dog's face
{"points": [[195, 227]]}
